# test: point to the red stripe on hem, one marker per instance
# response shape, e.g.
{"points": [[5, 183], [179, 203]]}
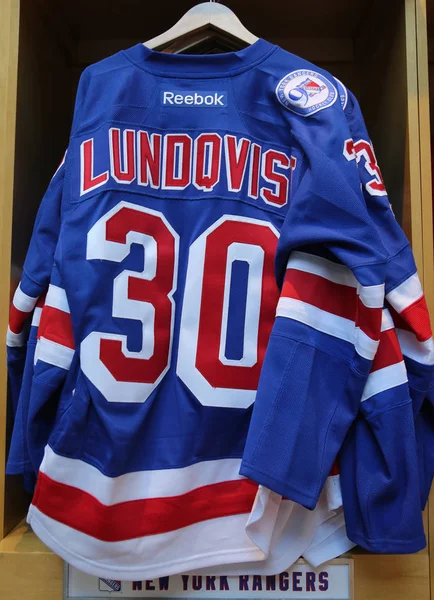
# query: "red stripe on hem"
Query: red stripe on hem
{"points": [[138, 518]]}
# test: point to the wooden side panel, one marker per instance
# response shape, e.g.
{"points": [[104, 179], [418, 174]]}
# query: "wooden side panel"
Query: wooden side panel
{"points": [[9, 25], [43, 116], [426, 205], [414, 134], [425, 153]]}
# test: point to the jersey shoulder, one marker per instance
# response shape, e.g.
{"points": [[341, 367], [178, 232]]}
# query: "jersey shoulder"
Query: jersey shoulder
{"points": [[303, 87], [111, 89], [287, 94], [107, 65]]}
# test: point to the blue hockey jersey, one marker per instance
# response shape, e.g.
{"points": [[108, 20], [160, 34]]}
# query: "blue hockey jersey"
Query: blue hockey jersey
{"points": [[141, 285]]}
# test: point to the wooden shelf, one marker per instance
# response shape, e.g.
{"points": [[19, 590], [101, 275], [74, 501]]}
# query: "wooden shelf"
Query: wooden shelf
{"points": [[29, 570]]}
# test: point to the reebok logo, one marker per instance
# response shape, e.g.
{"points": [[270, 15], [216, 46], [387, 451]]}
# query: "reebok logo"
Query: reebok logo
{"points": [[205, 99]]}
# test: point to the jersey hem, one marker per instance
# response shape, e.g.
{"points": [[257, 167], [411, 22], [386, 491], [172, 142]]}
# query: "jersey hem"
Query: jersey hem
{"points": [[139, 573], [277, 486], [332, 547], [388, 546]]}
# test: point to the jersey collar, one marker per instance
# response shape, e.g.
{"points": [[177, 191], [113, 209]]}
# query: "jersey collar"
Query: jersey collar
{"points": [[205, 66]]}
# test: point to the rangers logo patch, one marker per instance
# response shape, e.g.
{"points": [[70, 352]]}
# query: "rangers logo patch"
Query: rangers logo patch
{"points": [[305, 92], [110, 585]]}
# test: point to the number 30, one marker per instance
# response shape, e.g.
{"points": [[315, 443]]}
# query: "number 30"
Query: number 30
{"points": [[122, 375]]}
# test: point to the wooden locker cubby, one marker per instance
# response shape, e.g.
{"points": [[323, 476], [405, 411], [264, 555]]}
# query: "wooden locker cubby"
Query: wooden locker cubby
{"points": [[378, 49]]}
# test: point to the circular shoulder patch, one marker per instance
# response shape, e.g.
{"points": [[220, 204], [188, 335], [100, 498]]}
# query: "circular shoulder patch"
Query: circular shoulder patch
{"points": [[306, 92]]}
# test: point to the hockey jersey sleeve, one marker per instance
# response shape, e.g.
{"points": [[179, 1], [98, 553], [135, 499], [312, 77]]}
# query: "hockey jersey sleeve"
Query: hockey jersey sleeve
{"points": [[21, 339], [40, 254], [378, 460], [39, 261], [25, 312], [54, 354], [332, 264], [410, 314], [404, 294], [18, 459]]}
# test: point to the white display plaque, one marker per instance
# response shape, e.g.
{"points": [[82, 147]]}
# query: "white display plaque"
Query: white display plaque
{"points": [[331, 581]]}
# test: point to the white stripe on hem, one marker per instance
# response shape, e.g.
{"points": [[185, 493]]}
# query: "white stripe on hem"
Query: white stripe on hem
{"points": [[152, 556]]}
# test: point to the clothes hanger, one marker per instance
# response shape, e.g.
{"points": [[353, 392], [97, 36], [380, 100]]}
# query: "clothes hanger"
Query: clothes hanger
{"points": [[207, 27]]}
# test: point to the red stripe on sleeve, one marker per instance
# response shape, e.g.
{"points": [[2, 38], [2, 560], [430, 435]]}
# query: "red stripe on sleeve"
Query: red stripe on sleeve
{"points": [[138, 518], [414, 318], [332, 297], [417, 318], [335, 298], [56, 326], [17, 318], [389, 351]]}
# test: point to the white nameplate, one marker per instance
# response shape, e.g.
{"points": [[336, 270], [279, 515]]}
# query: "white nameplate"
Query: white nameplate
{"points": [[332, 581]]}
